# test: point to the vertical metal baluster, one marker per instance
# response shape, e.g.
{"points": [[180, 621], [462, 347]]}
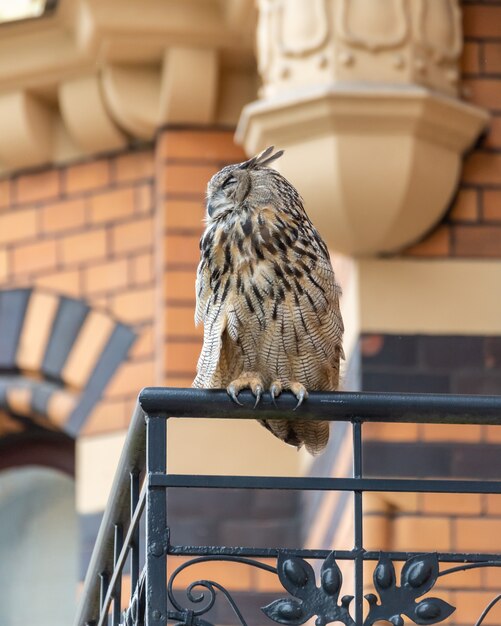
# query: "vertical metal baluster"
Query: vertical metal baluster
{"points": [[358, 526], [134, 560], [117, 592], [156, 525], [103, 588]]}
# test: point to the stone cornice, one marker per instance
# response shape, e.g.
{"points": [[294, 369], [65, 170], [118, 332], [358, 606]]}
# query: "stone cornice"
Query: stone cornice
{"points": [[97, 73]]}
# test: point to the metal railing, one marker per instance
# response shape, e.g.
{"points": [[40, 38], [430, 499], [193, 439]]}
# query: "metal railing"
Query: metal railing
{"points": [[143, 462]]}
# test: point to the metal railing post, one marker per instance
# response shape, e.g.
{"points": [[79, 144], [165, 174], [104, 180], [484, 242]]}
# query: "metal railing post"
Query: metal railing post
{"points": [[156, 525]]}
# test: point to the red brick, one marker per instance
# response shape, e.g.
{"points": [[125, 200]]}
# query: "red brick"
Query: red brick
{"points": [[184, 215], [86, 176], [130, 378], [65, 215], [182, 356], [233, 576], [479, 535], [478, 241], [135, 306], [452, 503], [142, 269], [391, 432], [465, 208], [206, 145], [469, 579], [5, 192], [134, 235], [18, 226], [85, 246], [144, 346], [40, 186], [493, 434], [4, 264], [437, 244], [470, 604], [67, 282], [182, 250], [188, 179], [35, 257], [371, 345], [108, 276], [135, 166], [492, 204], [178, 380], [493, 137], [112, 205], [180, 321], [180, 286], [492, 578], [491, 57], [107, 415], [449, 432], [493, 504], [470, 58], [484, 92], [427, 534], [101, 302], [481, 21], [144, 199], [482, 168]]}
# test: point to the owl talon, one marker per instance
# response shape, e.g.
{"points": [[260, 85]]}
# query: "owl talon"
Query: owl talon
{"points": [[258, 392], [275, 391], [246, 380], [300, 392], [233, 395]]}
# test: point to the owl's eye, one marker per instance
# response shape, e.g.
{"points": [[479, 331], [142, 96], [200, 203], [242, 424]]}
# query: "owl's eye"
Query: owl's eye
{"points": [[229, 182]]}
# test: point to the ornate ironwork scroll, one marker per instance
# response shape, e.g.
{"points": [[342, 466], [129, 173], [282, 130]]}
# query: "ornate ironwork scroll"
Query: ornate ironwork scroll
{"points": [[395, 599]]}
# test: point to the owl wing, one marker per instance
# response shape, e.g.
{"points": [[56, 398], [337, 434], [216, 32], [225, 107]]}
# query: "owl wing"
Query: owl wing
{"points": [[220, 355], [316, 324]]}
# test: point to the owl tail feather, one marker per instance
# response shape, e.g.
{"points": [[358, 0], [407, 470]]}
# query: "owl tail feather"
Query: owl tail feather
{"points": [[313, 435]]}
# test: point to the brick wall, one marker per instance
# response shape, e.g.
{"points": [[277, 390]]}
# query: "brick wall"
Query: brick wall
{"points": [[86, 230], [472, 226]]}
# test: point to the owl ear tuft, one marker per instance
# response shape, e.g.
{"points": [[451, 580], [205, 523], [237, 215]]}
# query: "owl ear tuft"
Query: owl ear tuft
{"points": [[262, 159]]}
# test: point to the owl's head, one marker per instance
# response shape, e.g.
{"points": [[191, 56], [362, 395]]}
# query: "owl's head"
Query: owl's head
{"points": [[232, 185]]}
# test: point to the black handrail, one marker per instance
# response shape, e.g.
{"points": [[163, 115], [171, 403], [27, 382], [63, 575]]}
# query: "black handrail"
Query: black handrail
{"points": [[155, 405], [132, 462]]}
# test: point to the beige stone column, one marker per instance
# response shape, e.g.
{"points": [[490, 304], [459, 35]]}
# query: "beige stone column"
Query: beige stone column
{"points": [[364, 97]]}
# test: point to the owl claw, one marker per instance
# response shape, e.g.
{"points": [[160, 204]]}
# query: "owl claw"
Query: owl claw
{"points": [[275, 391], [300, 399], [233, 395], [258, 392], [300, 392], [246, 380]]}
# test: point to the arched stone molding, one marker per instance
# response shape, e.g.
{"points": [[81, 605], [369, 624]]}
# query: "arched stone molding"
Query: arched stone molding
{"points": [[56, 357], [360, 93], [93, 76]]}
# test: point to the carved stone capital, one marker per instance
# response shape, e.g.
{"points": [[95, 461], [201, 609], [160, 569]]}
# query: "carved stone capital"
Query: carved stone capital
{"points": [[363, 95]]}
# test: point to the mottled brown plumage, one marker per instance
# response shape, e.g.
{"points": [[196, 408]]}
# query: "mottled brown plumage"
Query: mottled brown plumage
{"points": [[267, 295]]}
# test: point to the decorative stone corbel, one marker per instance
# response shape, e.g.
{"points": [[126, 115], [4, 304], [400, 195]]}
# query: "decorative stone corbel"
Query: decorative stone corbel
{"points": [[25, 130], [93, 76], [86, 117], [132, 94], [363, 95]]}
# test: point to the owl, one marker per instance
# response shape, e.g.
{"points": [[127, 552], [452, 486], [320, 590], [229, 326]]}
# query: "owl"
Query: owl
{"points": [[267, 296]]}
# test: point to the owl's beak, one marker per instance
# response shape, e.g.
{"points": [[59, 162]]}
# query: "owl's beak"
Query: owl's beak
{"points": [[210, 209]]}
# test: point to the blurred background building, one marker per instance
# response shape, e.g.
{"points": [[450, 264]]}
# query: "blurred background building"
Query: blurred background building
{"points": [[113, 116]]}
